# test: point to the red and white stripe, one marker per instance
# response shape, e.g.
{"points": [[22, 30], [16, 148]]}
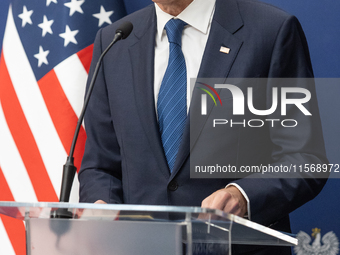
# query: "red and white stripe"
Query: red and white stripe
{"points": [[37, 121]]}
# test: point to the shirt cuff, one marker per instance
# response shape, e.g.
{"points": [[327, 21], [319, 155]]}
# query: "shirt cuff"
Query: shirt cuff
{"points": [[245, 196]]}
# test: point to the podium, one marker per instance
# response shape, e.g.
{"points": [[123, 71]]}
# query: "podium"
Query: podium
{"points": [[136, 229]]}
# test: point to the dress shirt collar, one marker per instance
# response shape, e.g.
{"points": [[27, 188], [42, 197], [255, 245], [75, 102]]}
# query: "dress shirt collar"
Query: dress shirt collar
{"points": [[198, 15]]}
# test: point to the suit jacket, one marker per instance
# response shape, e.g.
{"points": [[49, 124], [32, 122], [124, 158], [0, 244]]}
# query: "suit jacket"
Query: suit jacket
{"points": [[124, 160]]}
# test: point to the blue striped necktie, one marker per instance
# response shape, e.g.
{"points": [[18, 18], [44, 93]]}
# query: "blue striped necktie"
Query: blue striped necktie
{"points": [[172, 97]]}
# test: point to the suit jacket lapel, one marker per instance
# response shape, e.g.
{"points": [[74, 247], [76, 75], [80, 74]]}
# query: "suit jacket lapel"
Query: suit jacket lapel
{"points": [[215, 64], [142, 60]]}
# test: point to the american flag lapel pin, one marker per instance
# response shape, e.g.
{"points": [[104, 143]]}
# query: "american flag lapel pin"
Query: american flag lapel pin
{"points": [[225, 50]]}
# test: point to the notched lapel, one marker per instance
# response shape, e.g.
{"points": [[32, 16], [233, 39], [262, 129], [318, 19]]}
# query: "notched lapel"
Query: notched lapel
{"points": [[142, 60], [215, 64]]}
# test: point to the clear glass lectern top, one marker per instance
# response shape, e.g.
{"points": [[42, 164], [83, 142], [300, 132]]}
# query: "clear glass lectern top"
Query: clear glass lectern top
{"points": [[116, 224]]}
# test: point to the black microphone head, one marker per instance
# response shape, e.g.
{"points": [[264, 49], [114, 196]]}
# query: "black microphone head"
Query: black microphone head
{"points": [[125, 29]]}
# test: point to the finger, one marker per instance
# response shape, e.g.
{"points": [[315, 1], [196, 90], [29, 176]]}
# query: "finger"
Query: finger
{"points": [[217, 200], [100, 202], [233, 207], [79, 213]]}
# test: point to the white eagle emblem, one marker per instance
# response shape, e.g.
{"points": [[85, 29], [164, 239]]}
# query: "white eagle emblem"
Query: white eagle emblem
{"points": [[329, 246]]}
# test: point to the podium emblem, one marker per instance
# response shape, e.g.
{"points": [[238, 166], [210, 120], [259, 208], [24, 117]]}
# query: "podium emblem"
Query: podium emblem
{"points": [[327, 245]]}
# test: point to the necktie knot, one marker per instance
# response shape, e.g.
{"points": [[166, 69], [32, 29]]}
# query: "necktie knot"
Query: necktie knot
{"points": [[174, 29]]}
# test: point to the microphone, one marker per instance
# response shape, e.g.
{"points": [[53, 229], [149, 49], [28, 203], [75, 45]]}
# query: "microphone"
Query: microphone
{"points": [[69, 170], [125, 29]]}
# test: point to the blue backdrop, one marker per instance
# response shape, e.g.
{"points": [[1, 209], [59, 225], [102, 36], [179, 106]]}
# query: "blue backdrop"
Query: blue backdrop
{"points": [[321, 23]]}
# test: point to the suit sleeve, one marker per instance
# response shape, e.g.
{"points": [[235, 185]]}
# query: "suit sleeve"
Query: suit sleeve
{"points": [[100, 174], [273, 198]]}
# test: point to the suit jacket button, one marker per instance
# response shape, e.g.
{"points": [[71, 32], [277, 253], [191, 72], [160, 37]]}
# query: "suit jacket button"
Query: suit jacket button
{"points": [[173, 185]]}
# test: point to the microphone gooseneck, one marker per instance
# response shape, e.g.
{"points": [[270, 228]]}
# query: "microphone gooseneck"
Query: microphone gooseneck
{"points": [[69, 169]]}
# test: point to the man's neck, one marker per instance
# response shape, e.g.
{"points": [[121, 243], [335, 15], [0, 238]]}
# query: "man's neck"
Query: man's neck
{"points": [[175, 7]]}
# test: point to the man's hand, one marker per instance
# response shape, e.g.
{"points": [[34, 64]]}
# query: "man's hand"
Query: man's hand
{"points": [[100, 202], [80, 211], [229, 200]]}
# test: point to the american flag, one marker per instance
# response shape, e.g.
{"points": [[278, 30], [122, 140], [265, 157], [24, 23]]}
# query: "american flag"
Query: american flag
{"points": [[46, 55]]}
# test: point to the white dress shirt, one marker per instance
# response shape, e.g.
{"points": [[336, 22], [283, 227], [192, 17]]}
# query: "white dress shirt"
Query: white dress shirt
{"points": [[198, 16]]}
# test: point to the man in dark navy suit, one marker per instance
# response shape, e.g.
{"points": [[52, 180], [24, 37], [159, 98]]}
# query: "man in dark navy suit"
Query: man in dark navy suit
{"points": [[125, 160]]}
